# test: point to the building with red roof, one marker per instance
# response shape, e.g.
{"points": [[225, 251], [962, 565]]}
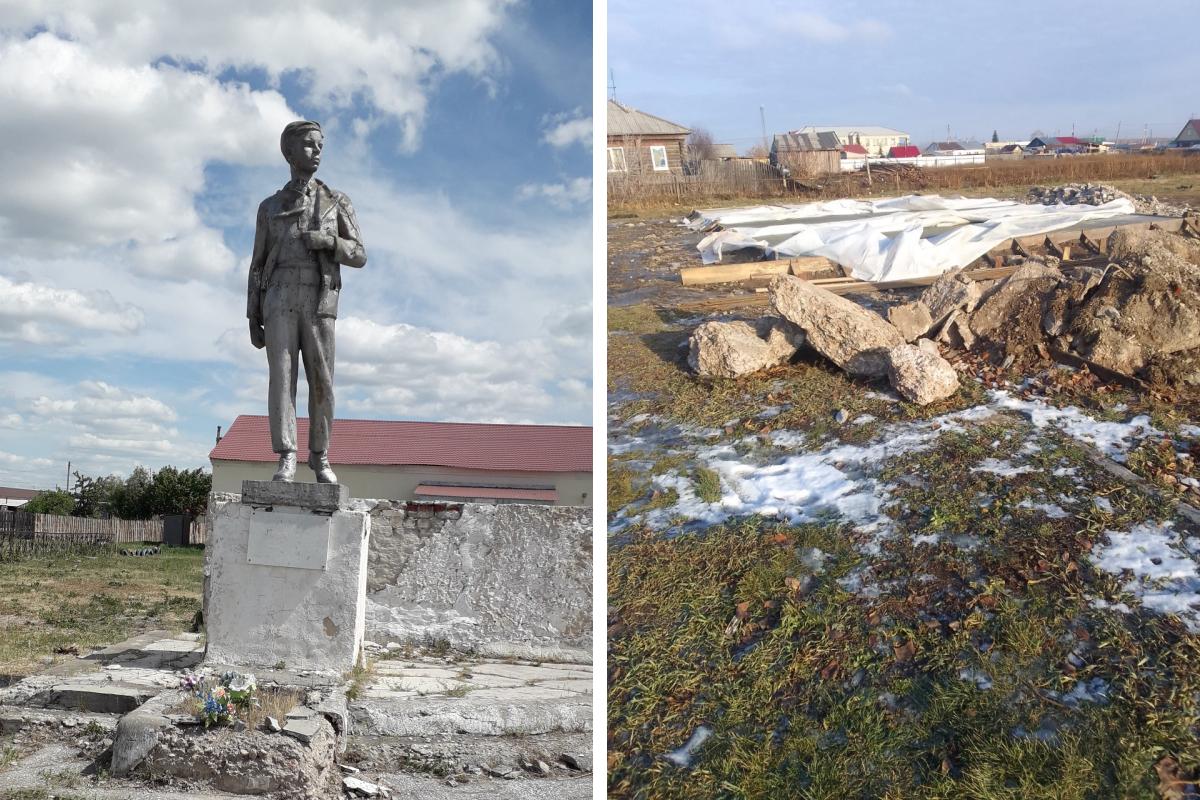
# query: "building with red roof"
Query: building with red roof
{"points": [[854, 150], [904, 151], [434, 461]]}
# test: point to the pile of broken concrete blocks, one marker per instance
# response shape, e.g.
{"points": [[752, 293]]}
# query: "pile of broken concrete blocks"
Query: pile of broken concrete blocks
{"points": [[904, 347]]}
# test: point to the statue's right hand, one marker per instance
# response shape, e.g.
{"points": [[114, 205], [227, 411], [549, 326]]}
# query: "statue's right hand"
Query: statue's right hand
{"points": [[258, 336]]}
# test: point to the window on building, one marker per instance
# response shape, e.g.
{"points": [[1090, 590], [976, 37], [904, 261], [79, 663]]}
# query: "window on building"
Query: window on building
{"points": [[658, 157], [616, 159]]}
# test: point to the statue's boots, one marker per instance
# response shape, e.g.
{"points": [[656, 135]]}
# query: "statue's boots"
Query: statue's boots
{"points": [[319, 462], [286, 471]]}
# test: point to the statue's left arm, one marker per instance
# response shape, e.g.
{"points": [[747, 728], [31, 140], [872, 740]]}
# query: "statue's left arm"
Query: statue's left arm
{"points": [[347, 246]]}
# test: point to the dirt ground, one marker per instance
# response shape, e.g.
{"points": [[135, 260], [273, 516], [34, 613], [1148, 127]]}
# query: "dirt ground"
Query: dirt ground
{"points": [[819, 590]]}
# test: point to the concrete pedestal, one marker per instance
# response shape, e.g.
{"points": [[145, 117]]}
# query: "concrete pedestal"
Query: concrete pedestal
{"points": [[285, 578]]}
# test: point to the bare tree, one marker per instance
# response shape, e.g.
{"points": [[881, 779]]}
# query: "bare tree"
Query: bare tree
{"points": [[700, 145], [758, 151]]}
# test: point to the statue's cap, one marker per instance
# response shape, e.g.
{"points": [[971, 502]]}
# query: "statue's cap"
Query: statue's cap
{"points": [[296, 129]]}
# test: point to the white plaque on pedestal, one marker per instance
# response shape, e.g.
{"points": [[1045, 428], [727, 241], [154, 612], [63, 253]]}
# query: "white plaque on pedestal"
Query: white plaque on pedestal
{"points": [[288, 539]]}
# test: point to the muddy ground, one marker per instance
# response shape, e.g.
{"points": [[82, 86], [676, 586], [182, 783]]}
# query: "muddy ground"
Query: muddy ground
{"points": [[817, 589]]}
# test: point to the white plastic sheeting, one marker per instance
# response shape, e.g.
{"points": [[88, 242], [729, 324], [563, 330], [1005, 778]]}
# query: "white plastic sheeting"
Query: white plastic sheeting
{"points": [[885, 240]]}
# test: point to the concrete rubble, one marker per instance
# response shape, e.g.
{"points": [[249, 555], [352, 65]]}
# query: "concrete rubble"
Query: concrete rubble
{"points": [[855, 339], [730, 349], [472, 727], [920, 376], [1134, 311], [1095, 194]]}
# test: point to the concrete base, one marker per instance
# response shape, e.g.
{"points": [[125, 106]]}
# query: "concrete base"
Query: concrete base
{"points": [[285, 585]]}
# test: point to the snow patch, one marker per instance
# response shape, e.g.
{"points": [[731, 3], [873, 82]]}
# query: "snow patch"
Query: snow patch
{"points": [[1164, 577]]}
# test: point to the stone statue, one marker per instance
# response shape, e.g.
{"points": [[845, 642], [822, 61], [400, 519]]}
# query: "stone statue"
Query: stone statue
{"points": [[304, 232]]}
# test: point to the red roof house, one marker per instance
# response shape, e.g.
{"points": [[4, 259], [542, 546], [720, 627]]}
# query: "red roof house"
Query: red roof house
{"points": [[854, 149], [402, 460], [904, 151]]}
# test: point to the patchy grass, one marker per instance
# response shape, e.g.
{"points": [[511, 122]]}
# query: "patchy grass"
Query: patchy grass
{"points": [[948, 675], [651, 367], [707, 483], [51, 608]]}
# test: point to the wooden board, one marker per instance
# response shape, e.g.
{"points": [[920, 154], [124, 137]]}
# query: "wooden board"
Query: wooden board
{"points": [[804, 266]]}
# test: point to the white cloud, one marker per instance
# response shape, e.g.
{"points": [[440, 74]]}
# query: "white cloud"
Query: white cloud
{"points": [[38, 314], [573, 192], [381, 51], [104, 155], [564, 130], [819, 27]]}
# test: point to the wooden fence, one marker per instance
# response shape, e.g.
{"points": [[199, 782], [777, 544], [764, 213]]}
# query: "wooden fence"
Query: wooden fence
{"points": [[25, 534], [735, 177]]}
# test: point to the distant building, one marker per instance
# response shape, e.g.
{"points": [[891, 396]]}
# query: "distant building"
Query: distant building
{"points": [[875, 140], [722, 152], [12, 499], [430, 461], [640, 143], [806, 153], [904, 151], [943, 148], [1189, 136], [1056, 144]]}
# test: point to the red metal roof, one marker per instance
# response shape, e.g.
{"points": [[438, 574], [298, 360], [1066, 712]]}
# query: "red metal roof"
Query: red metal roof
{"points": [[854, 148], [465, 445], [489, 492], [1068, 140], [904, 151]]}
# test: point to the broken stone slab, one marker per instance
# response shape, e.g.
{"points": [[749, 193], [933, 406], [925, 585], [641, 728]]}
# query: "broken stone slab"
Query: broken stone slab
{"points": [[731, 349], [919, 376], [97, 698], [911, 319], [138, 732], [928, 346], [950, 292], [855, 339], [956, 332], [360, 788], [304, 728], [323, 497]]}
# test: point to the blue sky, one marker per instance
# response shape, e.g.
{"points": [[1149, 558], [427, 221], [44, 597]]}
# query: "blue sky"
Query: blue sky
{"points": [[139, 142], [1013, 67]]}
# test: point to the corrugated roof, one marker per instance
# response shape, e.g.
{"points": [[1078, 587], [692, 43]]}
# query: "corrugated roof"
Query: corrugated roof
{"points": [[943, 147], [904, 151], [854, 149], [844, 131], [488, 492], [465, 445], [723, 151], [626, 121], [790, 142], [11, 493]]}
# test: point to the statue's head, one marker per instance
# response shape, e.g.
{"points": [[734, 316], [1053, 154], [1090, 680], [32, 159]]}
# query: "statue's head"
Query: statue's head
{"points": [[301, 144]]}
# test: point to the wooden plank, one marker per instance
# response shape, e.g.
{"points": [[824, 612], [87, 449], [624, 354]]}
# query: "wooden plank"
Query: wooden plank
{"points": [[727, 273]]}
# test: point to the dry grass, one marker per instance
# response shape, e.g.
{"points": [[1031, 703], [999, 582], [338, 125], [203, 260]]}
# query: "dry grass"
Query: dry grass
{"points": [[63, 605], [987, 179]]}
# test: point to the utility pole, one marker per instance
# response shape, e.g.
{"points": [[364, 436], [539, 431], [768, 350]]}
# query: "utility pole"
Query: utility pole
{"points": [[762, 117], [68, 475], [612, 85], [1118, 139]]}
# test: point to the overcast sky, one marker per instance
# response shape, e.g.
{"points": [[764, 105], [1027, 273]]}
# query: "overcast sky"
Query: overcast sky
{"points": [[1014, 67], [138, 144]]}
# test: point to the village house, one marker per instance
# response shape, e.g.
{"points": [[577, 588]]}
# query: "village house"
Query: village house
{"points": [[806, 153], [875, 140], [426, 461], [11, 499], [943, 148], [641, 143], [1189, 136]]}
